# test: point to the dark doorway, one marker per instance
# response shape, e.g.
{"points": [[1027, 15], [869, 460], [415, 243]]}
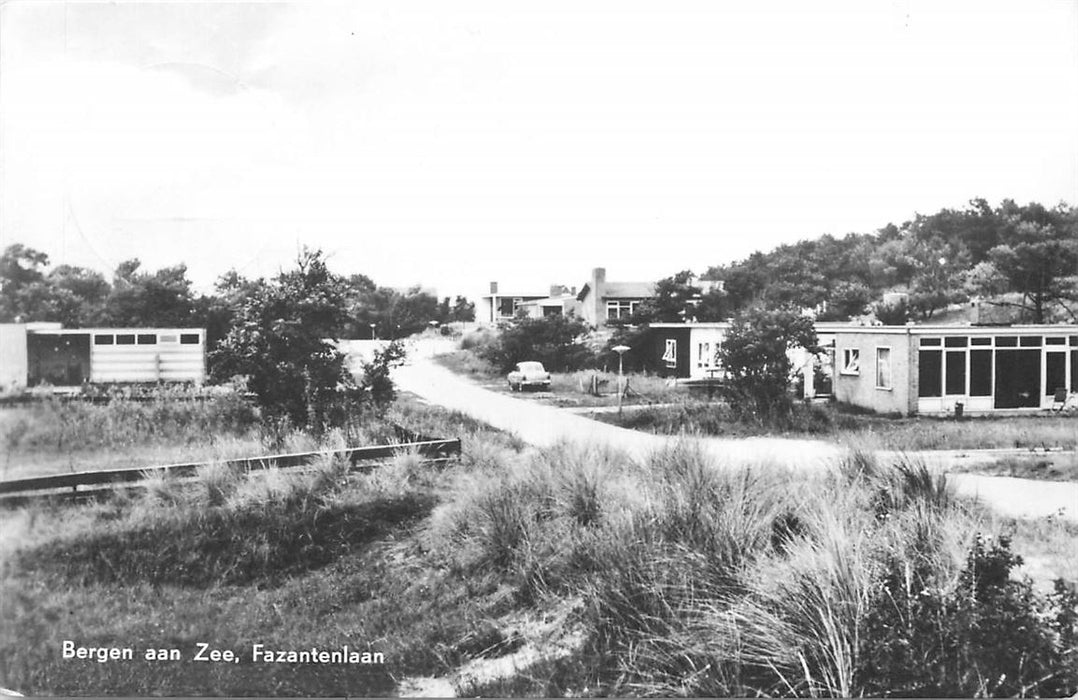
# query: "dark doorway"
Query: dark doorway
{"points": [[1018, 378], [59, 360]]}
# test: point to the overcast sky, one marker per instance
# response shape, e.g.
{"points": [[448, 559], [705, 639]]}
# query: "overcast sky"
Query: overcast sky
{"points": [[453, 143]]}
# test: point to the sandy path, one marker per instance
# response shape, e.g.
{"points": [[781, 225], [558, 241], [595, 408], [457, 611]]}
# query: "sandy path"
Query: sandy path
{"points": [[543, 425]]}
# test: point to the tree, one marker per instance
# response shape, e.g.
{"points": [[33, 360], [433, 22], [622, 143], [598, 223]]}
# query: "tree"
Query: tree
{"points": [[22, 284], [161, 298], [846, 299], [674, 300], [1038, 262], [462, 309], [753, 354], [283, 343]]}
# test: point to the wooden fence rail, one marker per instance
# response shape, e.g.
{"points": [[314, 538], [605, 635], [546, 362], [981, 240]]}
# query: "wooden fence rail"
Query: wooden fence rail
{"points": [[430, 449]]}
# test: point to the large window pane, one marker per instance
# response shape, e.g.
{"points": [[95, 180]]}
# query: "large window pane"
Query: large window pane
{"points": [[1074, 370], [956, 373], [1055, 372], [929, 373], [980, 373]]}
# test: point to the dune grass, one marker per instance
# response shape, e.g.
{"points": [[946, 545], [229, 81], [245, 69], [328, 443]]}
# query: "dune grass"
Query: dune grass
{"points": [[705, 579], [683, 576]]}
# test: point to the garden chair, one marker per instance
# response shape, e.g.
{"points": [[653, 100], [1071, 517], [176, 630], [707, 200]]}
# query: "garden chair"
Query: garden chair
{"points": [[1059, 401]]}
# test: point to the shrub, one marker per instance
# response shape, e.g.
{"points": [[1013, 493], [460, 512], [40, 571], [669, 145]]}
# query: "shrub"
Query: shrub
{"points": [[282, 342], [754, 356], [556, 341], [982, 635]]}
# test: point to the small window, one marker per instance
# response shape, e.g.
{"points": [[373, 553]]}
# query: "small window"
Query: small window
{"points": [[167, 338], [705, 355], [125, 339], [188, 338], [1031, 341], [104, 340], [1055, 341], [1007, 341], [147, 339], [851, 361], [670, 353], [956, 341], [1074, 341], [883, 368], [930, 342], [980, 341]]}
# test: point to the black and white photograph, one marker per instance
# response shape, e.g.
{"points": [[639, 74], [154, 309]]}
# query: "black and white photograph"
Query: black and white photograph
{"points": [[485, 349]]}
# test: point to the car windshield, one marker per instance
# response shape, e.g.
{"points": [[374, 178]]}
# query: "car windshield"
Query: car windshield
{"points": [[531, 367]]}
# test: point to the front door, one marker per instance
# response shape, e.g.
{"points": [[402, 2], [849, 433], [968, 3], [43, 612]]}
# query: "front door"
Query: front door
{"points": [[1018, 378]]}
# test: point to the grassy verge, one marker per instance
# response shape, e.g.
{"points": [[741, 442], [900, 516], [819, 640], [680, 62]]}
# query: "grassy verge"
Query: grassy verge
{"points": [[573, 389], [55, 436], [866, 431], [1043, 466]]}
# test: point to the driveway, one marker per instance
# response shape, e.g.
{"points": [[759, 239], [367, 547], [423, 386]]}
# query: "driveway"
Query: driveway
{"points": [[542, 425]]}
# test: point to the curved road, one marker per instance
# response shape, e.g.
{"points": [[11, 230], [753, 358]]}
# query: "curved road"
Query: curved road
{"points": [[543, 425]]}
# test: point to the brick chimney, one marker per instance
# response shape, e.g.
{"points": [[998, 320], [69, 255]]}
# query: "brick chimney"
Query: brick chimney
{"points": [[493, 287], [598, 305]]}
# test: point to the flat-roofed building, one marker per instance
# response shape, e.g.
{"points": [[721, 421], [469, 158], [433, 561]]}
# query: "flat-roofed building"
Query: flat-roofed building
{"points": [[932, 369], [36, 354]]}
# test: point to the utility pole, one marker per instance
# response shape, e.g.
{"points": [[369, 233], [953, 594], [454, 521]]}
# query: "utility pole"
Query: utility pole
{"points": [[620, 350]]}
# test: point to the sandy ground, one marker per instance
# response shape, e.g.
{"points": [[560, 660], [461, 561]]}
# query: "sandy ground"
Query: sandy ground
{"points": [[542, 425]]}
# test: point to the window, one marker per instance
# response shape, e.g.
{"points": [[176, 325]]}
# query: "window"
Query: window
{"points": [[103, 340], [147, 339], [956, 373], [620, 309], [705, 358], [980, 373], [980, 341], [1055, 341], [670, 354], [930, 373], [1007, 341], [851, 361], [956, 341], [930, 342], [1031, 341], [125, 339], [168, 338], [883, 368], [189, 339], [1055, 372]]}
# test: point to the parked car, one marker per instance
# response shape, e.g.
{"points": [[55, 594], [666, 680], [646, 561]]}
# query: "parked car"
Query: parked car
{"points": [[529, 374]]}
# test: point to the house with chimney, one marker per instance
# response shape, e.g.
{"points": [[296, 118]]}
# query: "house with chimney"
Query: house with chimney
{"points": [[498, 306], [602, 301]]}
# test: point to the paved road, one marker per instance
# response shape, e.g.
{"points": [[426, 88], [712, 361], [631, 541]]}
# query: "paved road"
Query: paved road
{"points": [[543, 425]]}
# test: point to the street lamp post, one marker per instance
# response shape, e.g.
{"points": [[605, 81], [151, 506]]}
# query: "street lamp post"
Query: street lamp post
{"points": [[373, 336], [620, 350]]}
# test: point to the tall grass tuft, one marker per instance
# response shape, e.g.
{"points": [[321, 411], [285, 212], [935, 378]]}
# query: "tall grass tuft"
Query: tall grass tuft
{"points": [[219, 482]]}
